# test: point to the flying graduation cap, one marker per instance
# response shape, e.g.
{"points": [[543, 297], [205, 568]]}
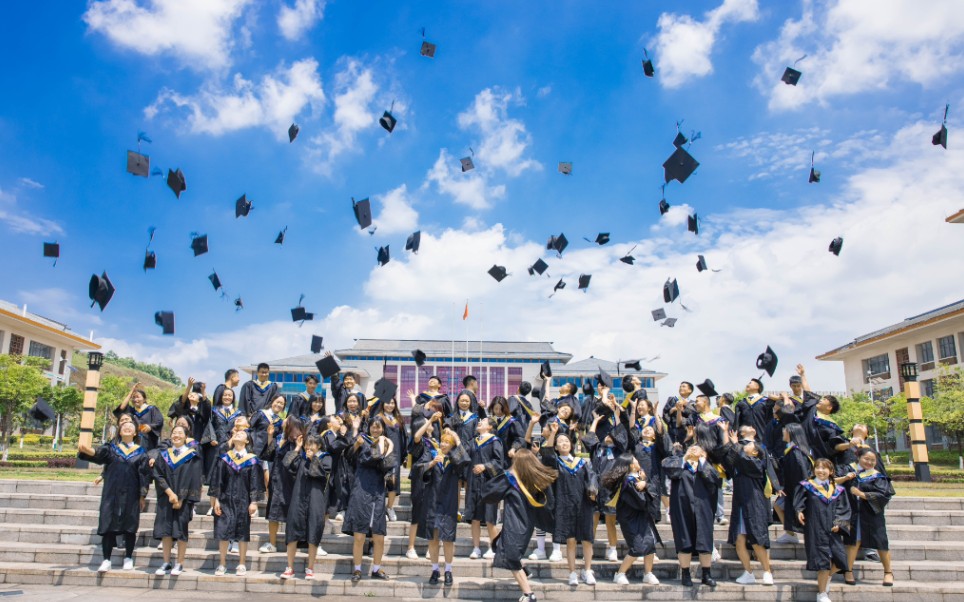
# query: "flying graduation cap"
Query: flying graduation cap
{"points": [[280, 238], [299, 314], [150, 260], [659, 314], [328, 366], [363, 212], [385, 389], [679, 166], [671, 322], [215, 280], [670, 290], [565, 167], [629, 259], [41, 411], [814, 173], [767, 361], [138, 164], [428, 48], [693, 224], [558, 287], [100, 290], [242, 206], [701, 264], [52, 249], [238, 304], [708, 388], [539, 267], [940, 138], [557, 244], [387, 120], [165, 319], [384, 256], [633, 365], [648, 65], [584, 282], [419, 356], [601, 238], [199, 243], [835, 245], [176, 182], [790, 75], [316, 343], [293, 132], [467, 164], [414, 241], [498, 272]]}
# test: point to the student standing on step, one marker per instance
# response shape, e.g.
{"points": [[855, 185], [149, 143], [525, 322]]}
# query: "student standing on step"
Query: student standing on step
{"points": [[395, 430], [488, 460], [311, 421], [258, 431], [603, 451], [149, 419], [301, 404], [237, 485], [508, 429], [126, 479], [222, 419], [872, 491], [824, 511], [195, 405], [177, 476], [425, 440], [692, 503], [353, 425], [280, 480], [257, 393], [310, 469], [633, 494], [796, 466], [441, 472]]}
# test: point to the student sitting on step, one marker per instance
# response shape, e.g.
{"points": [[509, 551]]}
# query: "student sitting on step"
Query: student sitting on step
{"points": [[177, 472], [310, 470], [237, 485]]}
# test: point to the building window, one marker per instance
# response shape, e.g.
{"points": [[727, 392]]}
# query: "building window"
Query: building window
{"points": [[648, 382], [41, 350], [407, 384], [927, 388], [16, 344], [515, 379], [877, 366], [947, 349], [925, 355]]}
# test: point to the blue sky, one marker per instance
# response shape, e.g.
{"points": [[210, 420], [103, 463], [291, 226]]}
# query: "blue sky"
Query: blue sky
{"points": [[216, 84]]}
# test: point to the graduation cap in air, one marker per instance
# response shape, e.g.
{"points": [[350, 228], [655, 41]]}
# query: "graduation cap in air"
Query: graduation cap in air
{"points": [[558, 287], [363, 212], [670, 290], [601, 238], [791, 76], [215, 280], [701, 263], [835, 245], [628, 259], [679, 166], [633, 365], [52, 249], [707, 388], [693, 224], [176, 182], [428, 49], [498, 272], [100, 290], [671, 322], [940, 138], [545, 370], [659, 314], [199, 244], [419, 357], [584, 282], [557, 243], [300, 314], [316, 343], [388, 121], [565, 167], [467, 164], [385, 389], [242, 206], [165, 319], [767, 361], [280, 238], [138, 164], [383, 255], [604, 379], [293, 132], [647, 65], [413, 241], [814, 173], [328, 366], [238, 304], [150, 260], [680, 140], [41, 411], [539, 267]]}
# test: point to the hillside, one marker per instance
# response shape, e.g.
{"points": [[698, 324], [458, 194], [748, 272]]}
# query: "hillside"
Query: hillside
{"points": [[79, 376]]}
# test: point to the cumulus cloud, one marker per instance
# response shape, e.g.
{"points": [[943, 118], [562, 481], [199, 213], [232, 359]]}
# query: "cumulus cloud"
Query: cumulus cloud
{"points": [[854, 46], [504, 140], [684, 45], [294, 21], [23, 220], [397, 214], [198, 34], [471, 188]]}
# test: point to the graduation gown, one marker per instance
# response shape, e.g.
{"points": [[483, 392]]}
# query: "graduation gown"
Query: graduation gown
{"points": [[415, 476], [148, 415], [366, 512], [795, 467], [633, 513], [259, 431], [182, 473], [869, 524], [573, 509], [308, 502], [524, 410], [750, 511], [236, 481], [823, 434], [677, 434], [488, 452], [280, 480], [823, 509], [522, 512], [301, 405], [650, 457], [255, 396], [342, 472], [126, 479], [441, 494], [340, 394], [311, 424], [756, 412], [223, 422], [602, 458], [512, 434], [692, 504], [395, 431]]}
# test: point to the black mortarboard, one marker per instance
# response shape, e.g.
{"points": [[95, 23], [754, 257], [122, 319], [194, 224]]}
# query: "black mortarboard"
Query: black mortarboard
{"points": [[634, 364], [467, 164], [693, 224], [419, 357], [679, 166], [316, 343], [328, 366], [413, 241], [659, 314], [41, 411], [603, 378], [559, 286], [670, 290], [138, 164], [428, 49], [601, 238], [663, 207], [565, 167], [238, 304], [628, 259], [707, 388], [199, 244], [498, 272], [940, 138], [100, 290], [680, 140], [242, 206], [557, 243], [165, 319], [150, 260], [539, 267], [387, 121], [385, 389], [587, 389], [700, 263], [647, 65], [175, 180], [280, 238], [545, 370], [671, 322], [791, 76], [767, 361], [215, 280], [300, 314], [584, 281], [835, 245], [293, 132], [363, 212], [52, 249], [383, 255], [814, 173]]}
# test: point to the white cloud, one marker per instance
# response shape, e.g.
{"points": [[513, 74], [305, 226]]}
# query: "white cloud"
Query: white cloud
{"points": [[23, 220], [198, 34], [28, 183], [684, 45], [397, 214], [60, 305], [294, 21], [854, 46], [470, 188], [504, 140], [544, 91], [273, 103]]}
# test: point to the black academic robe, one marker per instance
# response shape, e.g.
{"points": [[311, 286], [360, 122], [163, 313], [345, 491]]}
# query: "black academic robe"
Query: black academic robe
{"points": [[395, 431], [633, 513], [822, 511], [727, 413], [692, 504], [280, 480], [342, 472], [301, 405], [510, 431], [258, 432], [474, 400], [574, 509], [223, 421], [650, 456], [255, 397], [795, 466], [522, 512], [602, 457], [524, 410], [419, 449], [126, 479], [869, 524], [848, 457], [308, 502], [340, 394], [441, 494], [148, 415], [366, 512], [182, 473], [236, 481], [199, 415], [489, 453], [677, 433], [756, 412], [425, 397], [311, 424], [822, 432], [750, 511]]}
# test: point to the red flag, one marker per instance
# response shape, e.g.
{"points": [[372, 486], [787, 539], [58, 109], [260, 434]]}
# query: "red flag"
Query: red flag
{"points": [[465, 314]]}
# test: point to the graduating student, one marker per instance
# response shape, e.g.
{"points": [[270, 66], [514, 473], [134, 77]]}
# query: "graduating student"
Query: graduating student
{"points": [[464, 420], [574, 492], [353, 425], [823, 433], [508, 429], [223, 419], [677, 411], [632, 497], [195, 405], [310, 469], [280, 479], [440, 471], [334, 440], [872, 491], [372, 456], [693, 491], [525, 492], [148, 418], [434, 393], [425, 441], [650, 450], [755, 409], [395, 430], [261, 420], [301, 404], [847, 457], [177, 474], [564, 416], [488, 459], [258, 393], [521, 408], [603, 451], [725, 409], [824, 511], [796, 466], [126, 479], [342, 386], [470, 387], [236, 487], [231, 380], [313, 419]]}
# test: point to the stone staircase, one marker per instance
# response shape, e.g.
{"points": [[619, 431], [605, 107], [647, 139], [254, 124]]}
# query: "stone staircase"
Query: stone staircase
{"points": [[48, 536]]}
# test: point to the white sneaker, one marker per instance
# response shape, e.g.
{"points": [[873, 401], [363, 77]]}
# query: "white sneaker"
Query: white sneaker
{"points": [[412, 554], [767, 578], [746, 578], [611, 554], [489, 555], [160, 545], [267, 548], [722, 521], [787, 538], [340, 516], [163, 570], [574, 578], [321, 551], [556, 556], [233, 548], [241, 571], [391, 514], [823, 597], [104, 567], [128, 564], [210, 511], [588, 576], [538, 555], [428, 554], [650, 579], [220, 571], [620, 579], [716, 555], [177, 570], [476, 554]]}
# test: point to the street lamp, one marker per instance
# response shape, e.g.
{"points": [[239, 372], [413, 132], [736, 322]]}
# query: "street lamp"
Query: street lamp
{"points": [[915, 419], [95, 360]]}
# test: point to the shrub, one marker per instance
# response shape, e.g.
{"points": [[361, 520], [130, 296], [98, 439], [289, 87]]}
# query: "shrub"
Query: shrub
{"points": [[24, 464]]}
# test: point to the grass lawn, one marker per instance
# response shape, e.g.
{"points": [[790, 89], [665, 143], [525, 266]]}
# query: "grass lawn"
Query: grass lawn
{"points": [[50, 474], [915, 489]]}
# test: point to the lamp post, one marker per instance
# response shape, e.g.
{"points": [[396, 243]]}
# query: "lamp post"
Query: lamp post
{"points": [[95, 360], [915, 419]]}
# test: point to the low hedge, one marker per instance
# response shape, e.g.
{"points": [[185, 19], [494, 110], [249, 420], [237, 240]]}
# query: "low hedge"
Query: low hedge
{"points": [[39, 454], [24, 464], [35, 439]]}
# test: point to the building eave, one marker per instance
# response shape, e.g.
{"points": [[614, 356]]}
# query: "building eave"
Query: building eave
{"points": [[957, 218], [81, 344], [834, 354]]}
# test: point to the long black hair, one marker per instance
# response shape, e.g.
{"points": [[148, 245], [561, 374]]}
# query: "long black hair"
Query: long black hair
{"points": [[798, 436], [614, 476], [707, 436]]}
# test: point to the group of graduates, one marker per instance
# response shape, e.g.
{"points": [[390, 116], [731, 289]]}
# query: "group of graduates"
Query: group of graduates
{"points": [[522, 466]]}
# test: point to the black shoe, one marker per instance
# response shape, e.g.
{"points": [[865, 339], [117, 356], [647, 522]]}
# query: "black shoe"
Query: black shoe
{"points": [[448, 577], [708, 577], [355, 576], [685, 579], [433, 580], [380, 574]]}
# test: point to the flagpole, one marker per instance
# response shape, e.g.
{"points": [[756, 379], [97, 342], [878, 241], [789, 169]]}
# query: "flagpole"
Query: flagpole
{"points": [[481, 326], [466, 315], [452, 365]]}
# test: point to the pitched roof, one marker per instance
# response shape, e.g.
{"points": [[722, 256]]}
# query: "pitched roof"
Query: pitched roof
{"points": [[46, 324], [443, 348]]}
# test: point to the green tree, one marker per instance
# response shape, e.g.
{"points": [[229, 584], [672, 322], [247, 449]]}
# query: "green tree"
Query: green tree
{"points": [[21, 382], [114, 389], [947, 412], [67, 402], [888, 416]]}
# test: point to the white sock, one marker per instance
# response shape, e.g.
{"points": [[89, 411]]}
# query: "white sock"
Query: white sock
{"points": [[448, 567], [376, 567], [358, 567], [541, 543], [435, 567]]}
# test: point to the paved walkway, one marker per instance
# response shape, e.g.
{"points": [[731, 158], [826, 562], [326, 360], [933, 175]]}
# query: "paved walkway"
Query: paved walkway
{"points": [[52, 593]]}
